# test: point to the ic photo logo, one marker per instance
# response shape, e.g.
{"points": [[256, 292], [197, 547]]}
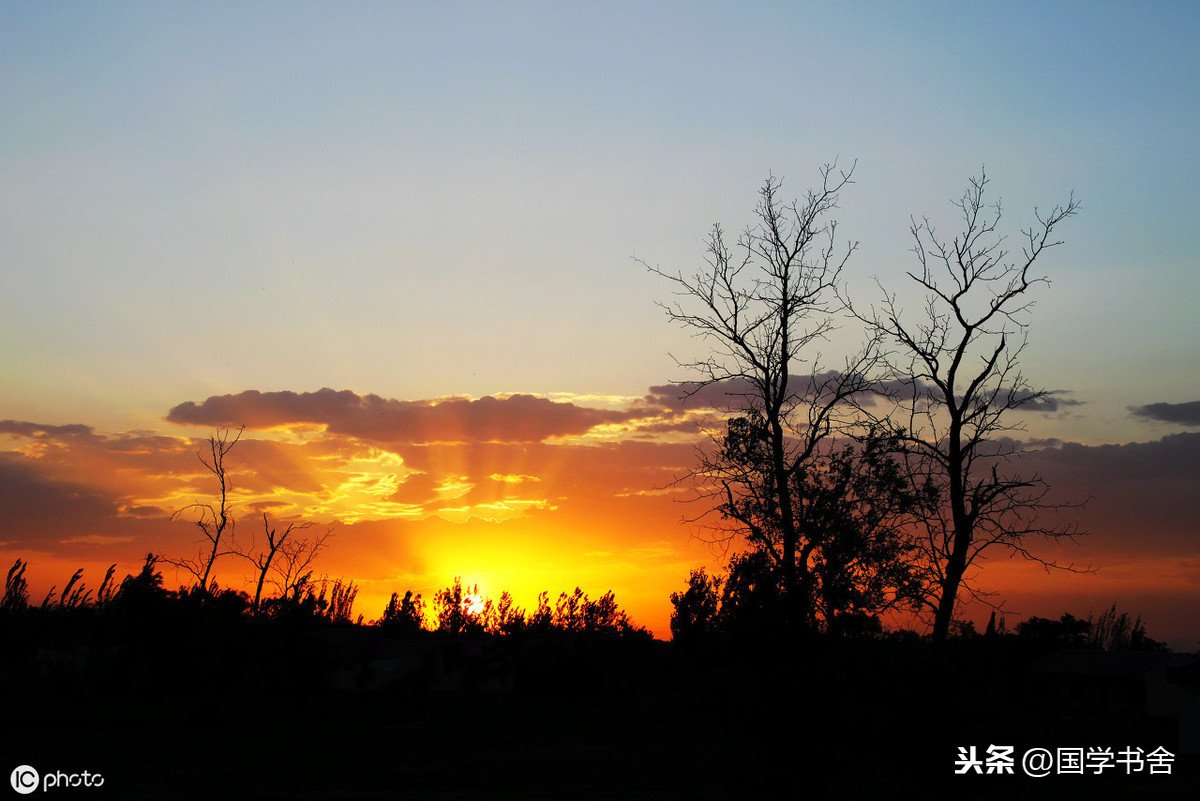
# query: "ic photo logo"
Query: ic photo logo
{"points": [[25, 779]]}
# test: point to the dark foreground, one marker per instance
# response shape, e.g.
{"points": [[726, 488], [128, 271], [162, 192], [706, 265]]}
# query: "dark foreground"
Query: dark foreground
{"points": [[352, 713]]}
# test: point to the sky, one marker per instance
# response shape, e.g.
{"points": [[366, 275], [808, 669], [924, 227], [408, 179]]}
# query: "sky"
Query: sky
{"points": [[405, 245]]}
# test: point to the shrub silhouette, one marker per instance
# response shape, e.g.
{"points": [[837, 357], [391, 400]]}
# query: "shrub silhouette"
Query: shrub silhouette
{"points": [[405, 616], [16, 590]]}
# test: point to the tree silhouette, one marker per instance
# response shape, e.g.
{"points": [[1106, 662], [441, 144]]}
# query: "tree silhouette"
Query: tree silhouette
{"points": [[763, 307], [853, 508], [507, 617], [292, 566], [340, 606], [142, 594], [403, 616], [859, 509], [694, 618], [956, 370], [1112, 632], [212, 519], [459, 609], [262, 559]]}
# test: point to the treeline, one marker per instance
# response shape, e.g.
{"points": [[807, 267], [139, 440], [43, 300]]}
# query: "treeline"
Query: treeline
{"points": [[460, 610], [1108, 631], [746, 603], [323, 599], [457, 610]]}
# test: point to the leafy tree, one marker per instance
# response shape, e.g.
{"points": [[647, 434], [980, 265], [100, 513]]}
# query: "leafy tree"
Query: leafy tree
{"points": [[299, 605], [853, 509], [743, 604], [576, 613], [569, 611], [858, 509], [694, 618], [1066, 632], [147, 581], [458, 610], [751, 600], [506, 617], [341, 601], [763, 306], [404, 616], [541, 620], [1112, 632], [142, 594]]}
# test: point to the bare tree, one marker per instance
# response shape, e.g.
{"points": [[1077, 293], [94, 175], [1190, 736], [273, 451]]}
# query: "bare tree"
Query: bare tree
{"points": [[213, 520], [262, 559], [292, 566], [763, 306], [960, 389]]}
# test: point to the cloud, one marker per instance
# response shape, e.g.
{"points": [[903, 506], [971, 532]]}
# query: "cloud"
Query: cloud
{"points": [[451, 495], [732, 394], [1027, 400], [42, 512], [515, 418], [729, 394], [1187, 414], [18, 428], [35, 507], [509, 478], [1030, 401], [1141, 496]]}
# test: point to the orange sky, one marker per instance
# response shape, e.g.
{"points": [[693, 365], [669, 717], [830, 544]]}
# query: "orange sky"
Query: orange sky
{"points": [[524, 494], [514, 493], [402, 201]]}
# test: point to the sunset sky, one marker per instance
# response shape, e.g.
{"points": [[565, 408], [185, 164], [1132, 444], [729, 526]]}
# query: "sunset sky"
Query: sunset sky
{"points": [[402, 244]]}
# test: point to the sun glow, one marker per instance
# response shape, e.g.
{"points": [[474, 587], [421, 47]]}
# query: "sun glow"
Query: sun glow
{"points": [[474, 603]]}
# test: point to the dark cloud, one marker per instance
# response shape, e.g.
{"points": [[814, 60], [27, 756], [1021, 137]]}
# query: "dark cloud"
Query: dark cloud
{"points": [[1141, 496], [21, 428], [145, 511], [268, 506], [36, 508], [1025, 399], [731, 394], [736, 394], [263, 466], [902, 389], [516, 418], [418, 489], [1187, 414]]}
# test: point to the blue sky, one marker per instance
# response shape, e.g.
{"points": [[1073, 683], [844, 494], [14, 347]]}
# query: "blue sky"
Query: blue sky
{"points": [[425, 200], [445, 198]]}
